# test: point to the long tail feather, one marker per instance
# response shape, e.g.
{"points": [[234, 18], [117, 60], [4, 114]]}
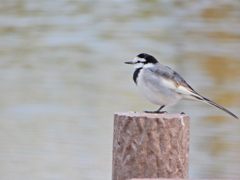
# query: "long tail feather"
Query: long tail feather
{"points": [[203, 99], [222, 108], [190, 94]]}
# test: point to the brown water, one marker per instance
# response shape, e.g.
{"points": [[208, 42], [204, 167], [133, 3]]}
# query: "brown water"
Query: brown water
{"points": [[62, 78]]}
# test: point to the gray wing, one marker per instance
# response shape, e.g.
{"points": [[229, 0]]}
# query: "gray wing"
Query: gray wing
{"points": [[170, 75], [173, 80]]}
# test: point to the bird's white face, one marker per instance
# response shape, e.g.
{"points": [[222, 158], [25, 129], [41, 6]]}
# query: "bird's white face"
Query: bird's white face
{"points": [[143, 60], [138, 62]]}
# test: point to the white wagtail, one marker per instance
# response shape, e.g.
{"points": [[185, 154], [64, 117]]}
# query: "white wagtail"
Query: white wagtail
{"points": [[163, 86]]}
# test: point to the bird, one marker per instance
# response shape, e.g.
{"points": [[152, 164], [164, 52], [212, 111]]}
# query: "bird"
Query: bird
{"points": [[163, 86]]}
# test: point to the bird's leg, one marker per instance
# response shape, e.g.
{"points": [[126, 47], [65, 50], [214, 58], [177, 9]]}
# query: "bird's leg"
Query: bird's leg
{"points": [[157, 111]]}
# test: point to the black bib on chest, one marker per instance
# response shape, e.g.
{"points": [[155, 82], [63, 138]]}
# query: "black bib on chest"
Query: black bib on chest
{"points": [[135, 74]]}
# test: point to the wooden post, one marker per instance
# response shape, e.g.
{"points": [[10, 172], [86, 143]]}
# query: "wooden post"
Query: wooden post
{"points": [[150, 146]]}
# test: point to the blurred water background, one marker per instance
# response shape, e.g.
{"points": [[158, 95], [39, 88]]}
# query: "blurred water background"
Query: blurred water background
{"points": [[62, 77]]}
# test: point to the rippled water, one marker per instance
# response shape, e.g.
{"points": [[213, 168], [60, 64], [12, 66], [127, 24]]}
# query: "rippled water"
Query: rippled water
{"points": [[62, 78]]}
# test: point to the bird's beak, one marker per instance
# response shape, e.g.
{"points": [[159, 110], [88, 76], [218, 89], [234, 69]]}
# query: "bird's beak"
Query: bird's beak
{"points": [[129, 62]]}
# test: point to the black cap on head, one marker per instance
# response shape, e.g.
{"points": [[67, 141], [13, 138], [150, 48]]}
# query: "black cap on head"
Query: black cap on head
{"points": [[149, 58]]}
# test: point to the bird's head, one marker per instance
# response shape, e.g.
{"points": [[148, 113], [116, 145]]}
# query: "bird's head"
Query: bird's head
{"points": [[143, 60]]}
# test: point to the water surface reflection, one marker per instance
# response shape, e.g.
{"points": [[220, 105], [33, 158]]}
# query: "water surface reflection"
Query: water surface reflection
{"points": [[63, 77]]}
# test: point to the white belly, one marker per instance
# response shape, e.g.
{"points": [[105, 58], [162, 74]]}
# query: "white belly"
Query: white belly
{"points": [[157, 91]]}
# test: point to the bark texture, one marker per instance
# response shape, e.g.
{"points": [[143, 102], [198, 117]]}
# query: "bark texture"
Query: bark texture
{"points": [[150, 146]]}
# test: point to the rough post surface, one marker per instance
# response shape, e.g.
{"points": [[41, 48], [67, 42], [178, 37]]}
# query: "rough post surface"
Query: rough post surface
{"points": [[150, 146], [182, 179]]}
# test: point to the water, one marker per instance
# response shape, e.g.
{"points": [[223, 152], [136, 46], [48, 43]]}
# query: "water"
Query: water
{"points": [[62, 78]]}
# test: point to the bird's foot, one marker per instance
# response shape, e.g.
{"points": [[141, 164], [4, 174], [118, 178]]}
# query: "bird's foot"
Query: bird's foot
{"points": [[158, 112]]}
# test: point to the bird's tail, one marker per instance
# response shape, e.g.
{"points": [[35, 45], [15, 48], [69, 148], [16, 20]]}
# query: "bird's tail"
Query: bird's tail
{"points": [[190, 94], [203, 99], [222, 108]]}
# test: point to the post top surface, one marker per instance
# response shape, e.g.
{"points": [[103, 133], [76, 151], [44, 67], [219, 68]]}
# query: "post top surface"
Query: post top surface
{"points": [[150, 115]]}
